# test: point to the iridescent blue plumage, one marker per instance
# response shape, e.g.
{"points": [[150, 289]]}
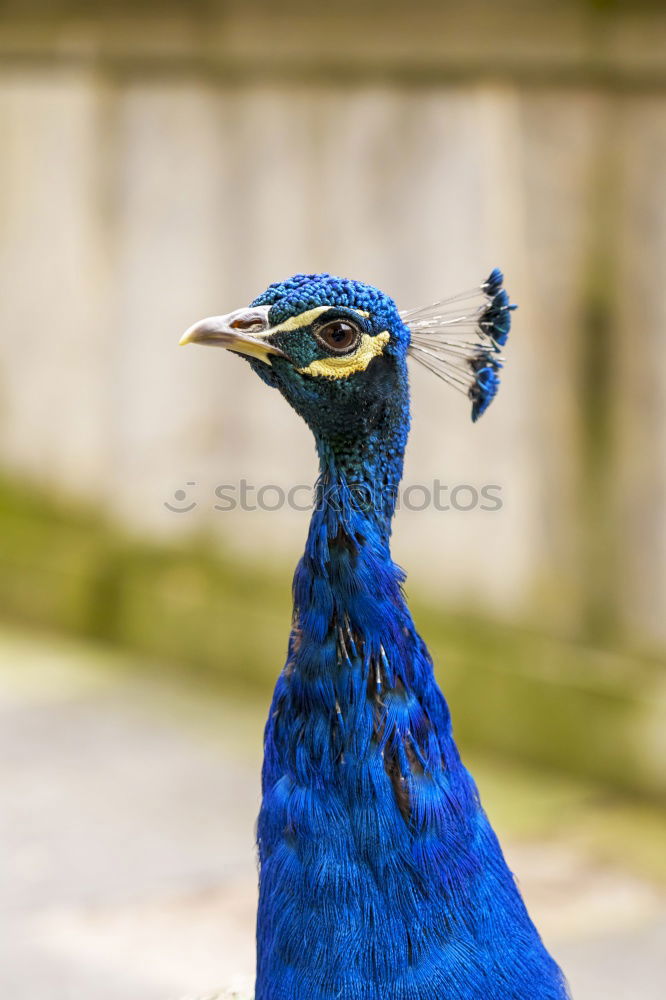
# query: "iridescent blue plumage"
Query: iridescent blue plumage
{"points": [[380, 876], [495, 321]]}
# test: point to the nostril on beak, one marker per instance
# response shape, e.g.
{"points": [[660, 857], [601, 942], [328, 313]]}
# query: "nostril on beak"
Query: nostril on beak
{"points": [[249, 320], [247, 324]]}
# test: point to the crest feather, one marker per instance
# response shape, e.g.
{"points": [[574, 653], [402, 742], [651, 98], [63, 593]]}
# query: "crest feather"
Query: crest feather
{"points": [[459, 339]]}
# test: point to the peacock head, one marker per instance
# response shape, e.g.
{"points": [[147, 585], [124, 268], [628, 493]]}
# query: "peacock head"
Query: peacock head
{"points": [[335, 348], [337, 351]]}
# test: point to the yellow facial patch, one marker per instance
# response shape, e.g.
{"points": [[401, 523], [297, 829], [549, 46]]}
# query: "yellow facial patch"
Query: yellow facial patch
{"points": [[347, 364]]}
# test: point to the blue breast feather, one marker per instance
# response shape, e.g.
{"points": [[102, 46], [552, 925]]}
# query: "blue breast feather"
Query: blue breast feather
{"points": [[380, 874]]}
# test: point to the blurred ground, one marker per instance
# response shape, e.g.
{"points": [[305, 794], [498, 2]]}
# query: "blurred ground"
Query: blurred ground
{"points": [[126, 829]]}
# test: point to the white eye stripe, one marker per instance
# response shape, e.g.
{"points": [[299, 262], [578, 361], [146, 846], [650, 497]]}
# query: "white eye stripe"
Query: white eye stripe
{"points": [[305, 319], [298, 322]]}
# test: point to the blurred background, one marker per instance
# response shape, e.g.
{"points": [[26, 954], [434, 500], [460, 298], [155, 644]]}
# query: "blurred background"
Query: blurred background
{"points": [[165, 161]]}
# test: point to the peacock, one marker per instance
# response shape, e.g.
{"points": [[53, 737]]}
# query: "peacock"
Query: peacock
{"points": [[379, 873]]}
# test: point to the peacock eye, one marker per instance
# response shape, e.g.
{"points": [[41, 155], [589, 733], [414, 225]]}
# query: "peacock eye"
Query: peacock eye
{"points": [[338, 336]]}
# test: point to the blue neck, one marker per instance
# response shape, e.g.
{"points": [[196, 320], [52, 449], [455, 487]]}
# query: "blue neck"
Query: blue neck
{"points": [[380, 875]]}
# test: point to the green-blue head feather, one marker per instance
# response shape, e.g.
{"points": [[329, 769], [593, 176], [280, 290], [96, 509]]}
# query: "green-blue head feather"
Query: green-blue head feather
{"points": [[337, 349]]}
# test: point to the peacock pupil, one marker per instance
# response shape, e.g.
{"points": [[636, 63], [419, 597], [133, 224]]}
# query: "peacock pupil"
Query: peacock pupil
{"points": [[338, 336]]}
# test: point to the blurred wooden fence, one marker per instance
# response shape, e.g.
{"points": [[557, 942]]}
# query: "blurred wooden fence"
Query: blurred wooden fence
{"points": [[159, 165]]}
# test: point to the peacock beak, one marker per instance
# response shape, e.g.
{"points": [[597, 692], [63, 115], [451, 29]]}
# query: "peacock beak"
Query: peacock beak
{"points": [[243, 331]]}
